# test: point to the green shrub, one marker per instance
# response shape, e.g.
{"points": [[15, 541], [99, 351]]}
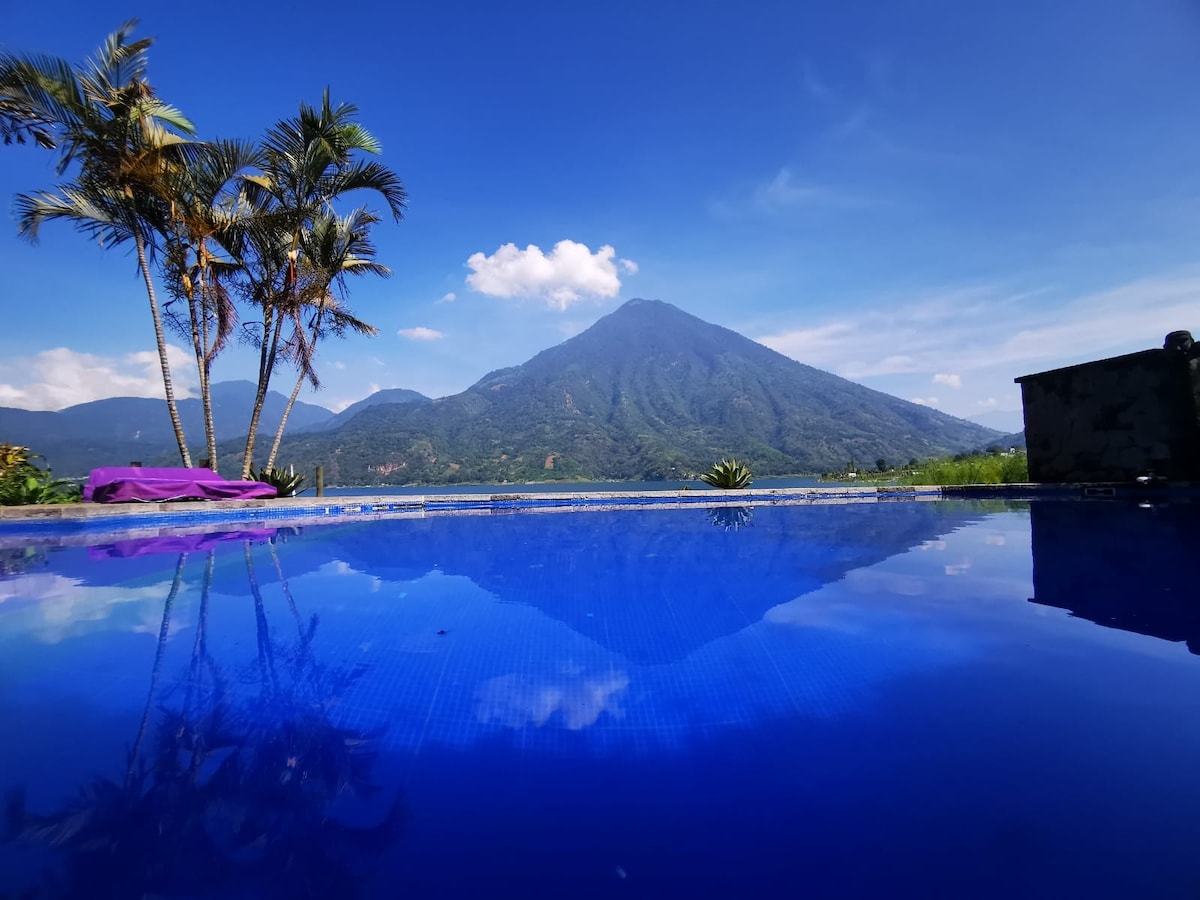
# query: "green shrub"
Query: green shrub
{"points": [[974, 468], [728, 474], [22, 483]]}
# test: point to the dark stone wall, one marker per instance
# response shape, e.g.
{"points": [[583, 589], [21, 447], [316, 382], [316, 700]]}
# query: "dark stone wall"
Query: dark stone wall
{"points": [[1114, 419]]}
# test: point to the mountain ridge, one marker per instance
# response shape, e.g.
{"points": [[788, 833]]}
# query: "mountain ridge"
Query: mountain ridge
{"points": [[384, 396], [647, 392], [116, 430]]}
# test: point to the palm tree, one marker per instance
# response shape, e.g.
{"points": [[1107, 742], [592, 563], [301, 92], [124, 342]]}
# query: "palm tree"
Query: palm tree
{"points": [[332, 249], [308, 162], [203, 239], [106, 117], [19, 120]]}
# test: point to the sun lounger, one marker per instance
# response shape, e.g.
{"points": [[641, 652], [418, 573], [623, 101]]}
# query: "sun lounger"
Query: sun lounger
{"points": [[125, 484]]}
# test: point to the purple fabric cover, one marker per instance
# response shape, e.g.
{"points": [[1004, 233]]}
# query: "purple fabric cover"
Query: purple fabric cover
{"points": [[123, 484], [176, 543]]}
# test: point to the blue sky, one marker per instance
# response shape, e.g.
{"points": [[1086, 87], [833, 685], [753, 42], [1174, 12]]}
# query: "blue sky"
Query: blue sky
{"points": [[930, 198]]}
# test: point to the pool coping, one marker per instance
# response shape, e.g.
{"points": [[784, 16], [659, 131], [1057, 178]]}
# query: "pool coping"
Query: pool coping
{"points": [[327, 507]]}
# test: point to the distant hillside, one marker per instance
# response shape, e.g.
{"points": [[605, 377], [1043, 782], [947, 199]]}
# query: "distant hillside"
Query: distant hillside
{"points": [[390, 395], [120, 429], [649, 391], [1016, 439]]}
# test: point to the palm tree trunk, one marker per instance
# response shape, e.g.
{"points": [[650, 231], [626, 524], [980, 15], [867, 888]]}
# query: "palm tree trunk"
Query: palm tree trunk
{"points": [[210, 431], [161, 344], [198, 313], [287, 410], [266, 364], [210, 434], [206, 311]]}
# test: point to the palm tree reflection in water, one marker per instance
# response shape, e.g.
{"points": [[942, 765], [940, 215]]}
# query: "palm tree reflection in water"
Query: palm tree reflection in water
{"points": [[224, 797]]}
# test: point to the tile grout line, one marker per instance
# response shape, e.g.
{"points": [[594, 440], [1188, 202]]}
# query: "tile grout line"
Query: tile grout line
{"points": [[432, 703]]}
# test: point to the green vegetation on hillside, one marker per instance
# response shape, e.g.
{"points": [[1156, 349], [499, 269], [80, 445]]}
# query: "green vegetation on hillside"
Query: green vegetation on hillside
{"points": [[973, 468], [648, 392], [992, 466]]}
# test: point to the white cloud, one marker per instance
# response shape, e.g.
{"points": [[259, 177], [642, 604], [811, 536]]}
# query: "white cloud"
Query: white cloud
{"points": [[786, 193], [421, 333], [863, 344], [990, 334], [783, 192], [954, 381], [570, 272], [448, 297], [628, 266], [924, 401], [58, 378], [338, 365], [988, 403]]}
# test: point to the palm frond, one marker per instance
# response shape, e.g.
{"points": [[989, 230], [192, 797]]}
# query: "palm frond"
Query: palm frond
{"points": [[92, 212], [36, 94], [369, 175], [358, 138]]}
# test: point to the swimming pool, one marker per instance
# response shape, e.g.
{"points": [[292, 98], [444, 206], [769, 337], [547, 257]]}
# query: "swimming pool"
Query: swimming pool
{"points": [[885, 699]]}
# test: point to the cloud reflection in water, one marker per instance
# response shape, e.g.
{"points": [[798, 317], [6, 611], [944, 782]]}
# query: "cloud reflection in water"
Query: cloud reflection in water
{"points": [[517, 700]]}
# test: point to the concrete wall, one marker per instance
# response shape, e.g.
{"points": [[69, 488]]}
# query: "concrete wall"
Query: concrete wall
{"points": [[1114, 419]]}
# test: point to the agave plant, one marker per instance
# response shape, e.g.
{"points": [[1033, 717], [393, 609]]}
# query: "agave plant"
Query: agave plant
{"points": [[285, 481], [728, 474]]}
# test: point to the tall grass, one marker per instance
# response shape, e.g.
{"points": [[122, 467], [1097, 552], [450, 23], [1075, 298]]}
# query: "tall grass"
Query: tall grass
{"points": [[975, 469]]}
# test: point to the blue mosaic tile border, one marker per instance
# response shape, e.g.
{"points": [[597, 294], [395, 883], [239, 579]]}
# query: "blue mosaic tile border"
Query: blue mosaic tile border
{"points": [[66, 521]]}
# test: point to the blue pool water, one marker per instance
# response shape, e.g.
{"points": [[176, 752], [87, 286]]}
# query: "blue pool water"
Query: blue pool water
{"points": [[895, 699]]}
